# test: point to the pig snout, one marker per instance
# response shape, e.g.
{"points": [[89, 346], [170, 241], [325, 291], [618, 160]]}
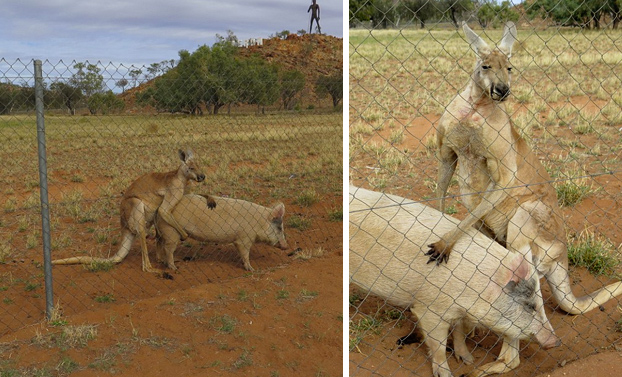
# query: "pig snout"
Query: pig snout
{"points": [[548, 339], [283, 244]]}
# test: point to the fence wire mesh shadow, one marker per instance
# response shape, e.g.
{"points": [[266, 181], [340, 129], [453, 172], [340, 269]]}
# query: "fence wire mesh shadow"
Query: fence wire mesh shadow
{"points": [[565, 101], [102, 135]]}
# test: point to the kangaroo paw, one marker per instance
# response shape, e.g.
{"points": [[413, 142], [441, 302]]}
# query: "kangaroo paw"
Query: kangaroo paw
{"points": [[439, 252]]}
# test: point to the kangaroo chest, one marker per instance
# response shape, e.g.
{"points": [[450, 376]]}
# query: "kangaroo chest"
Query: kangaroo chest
{"points": [[474, 140]]}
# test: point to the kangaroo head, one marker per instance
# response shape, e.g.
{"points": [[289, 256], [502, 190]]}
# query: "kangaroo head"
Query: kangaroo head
{"points": [[189, 167], [492, 71]]}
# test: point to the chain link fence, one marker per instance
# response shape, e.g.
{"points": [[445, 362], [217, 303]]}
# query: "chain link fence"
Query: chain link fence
{"points": [[277, 138], [408, 61]]}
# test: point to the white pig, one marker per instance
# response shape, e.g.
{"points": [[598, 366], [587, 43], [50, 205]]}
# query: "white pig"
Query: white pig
{"points": [[231, 221], [484, 285]]}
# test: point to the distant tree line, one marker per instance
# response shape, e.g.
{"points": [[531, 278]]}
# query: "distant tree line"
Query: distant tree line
{"points": [[580, 13], [85, 88], [399, 13]]}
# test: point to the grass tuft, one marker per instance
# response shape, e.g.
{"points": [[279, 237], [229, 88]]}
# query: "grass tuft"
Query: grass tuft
{"points": [[595, 253]]}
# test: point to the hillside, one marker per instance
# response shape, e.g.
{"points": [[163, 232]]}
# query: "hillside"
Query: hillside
{"points": [[311, 54]]}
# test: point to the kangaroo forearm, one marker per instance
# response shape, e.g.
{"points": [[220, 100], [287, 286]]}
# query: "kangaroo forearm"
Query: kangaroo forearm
{"points": [[170, 219]]}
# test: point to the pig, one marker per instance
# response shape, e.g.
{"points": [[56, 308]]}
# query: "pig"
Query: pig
{"points": [[485, 285], [229, 221]]}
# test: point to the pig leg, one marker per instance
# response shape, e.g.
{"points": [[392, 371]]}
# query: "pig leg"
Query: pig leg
{"points": [[461, 352], [508, 359], [435, 330], [244, 248]]}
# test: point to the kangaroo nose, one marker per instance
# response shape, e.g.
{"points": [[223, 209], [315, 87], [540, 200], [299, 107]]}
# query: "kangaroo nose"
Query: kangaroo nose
{"points": [[200, 177], [499, 92]]}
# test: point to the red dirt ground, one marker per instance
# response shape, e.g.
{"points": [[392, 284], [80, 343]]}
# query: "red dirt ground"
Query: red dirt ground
{"points": [[212, 318]]}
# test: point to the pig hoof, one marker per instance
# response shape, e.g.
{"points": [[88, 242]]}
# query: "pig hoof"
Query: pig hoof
{"points": [[436, 256], [466, 358]]}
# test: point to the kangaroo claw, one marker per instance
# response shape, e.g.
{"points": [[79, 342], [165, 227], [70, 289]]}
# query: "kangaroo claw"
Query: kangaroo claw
{"points": [[436, 256]]}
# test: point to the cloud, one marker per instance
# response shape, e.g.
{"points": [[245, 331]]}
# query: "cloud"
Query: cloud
{"points": [[141, 31]]}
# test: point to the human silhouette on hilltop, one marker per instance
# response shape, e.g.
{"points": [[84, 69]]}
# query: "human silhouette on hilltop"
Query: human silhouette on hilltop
{"points": [[314, 8]]}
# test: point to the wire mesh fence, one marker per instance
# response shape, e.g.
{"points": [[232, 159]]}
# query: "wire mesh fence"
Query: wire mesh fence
{"points": [[549, 185], [107, 124]]}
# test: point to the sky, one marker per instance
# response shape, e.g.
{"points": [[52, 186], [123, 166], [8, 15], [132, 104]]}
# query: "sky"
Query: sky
{"points": [[141, 32]]}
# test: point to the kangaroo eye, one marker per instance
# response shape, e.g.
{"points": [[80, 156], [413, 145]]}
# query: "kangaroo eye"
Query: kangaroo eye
{"points": [[509, 69], [485, 67]]}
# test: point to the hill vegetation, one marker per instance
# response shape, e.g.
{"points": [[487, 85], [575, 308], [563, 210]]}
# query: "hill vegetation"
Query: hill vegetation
{"points": [[283, 73]]}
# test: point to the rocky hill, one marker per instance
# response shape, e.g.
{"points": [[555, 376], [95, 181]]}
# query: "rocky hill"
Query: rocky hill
{"points": [[311, 54]]}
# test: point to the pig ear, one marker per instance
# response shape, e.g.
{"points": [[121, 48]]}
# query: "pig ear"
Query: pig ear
{"points": [[520, 268], [278, 211]]}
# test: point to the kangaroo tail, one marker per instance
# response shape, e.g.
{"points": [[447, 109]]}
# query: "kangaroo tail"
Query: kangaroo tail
{"points": [[85, 260], [559, 282], [126, 244]]}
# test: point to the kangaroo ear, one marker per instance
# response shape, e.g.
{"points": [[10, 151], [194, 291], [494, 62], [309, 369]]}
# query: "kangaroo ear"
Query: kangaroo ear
{"points": [[478, 45], [185, 155], [509, 37]]}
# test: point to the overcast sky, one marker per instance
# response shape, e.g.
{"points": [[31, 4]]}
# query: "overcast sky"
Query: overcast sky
{"points": [[141, 32]]}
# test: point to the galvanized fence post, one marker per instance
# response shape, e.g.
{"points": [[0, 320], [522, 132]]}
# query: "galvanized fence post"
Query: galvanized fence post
{"points": [[43, 185]]}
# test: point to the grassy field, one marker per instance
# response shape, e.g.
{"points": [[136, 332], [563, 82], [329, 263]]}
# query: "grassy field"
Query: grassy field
{"points": [[290, 157], [567, 103], [214, 316]]}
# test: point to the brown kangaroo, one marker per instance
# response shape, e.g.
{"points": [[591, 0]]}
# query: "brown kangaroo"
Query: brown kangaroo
{"points": [[502, 182]]}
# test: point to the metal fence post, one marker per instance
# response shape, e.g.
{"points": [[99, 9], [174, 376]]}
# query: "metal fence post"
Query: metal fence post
{"points": [[43, 185]]}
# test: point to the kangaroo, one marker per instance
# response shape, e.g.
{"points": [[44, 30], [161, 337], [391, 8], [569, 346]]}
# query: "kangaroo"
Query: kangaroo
{"points": [[482, 284], [502, 182], [233, 221], [150, 193]]}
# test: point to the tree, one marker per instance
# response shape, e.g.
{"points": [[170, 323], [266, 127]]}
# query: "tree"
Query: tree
{"points": [[68, 95], [384, 14], [361, 11], [579, 13], [331, 85], [122, 83], [259, 83], [153, 70], [292, 82], [87, 79], [105, 103], [417, 10], [282, 34], [455, 9], [614, 7], [491, 12], [6, 98], [208, 76], [135, 74]]}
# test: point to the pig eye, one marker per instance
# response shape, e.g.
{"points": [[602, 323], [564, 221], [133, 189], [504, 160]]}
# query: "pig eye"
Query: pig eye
{"points": [[532, 307]]}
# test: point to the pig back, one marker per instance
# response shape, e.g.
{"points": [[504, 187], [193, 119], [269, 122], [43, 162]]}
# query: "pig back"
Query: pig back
{"points": [[230, 220], [388, 241]]}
